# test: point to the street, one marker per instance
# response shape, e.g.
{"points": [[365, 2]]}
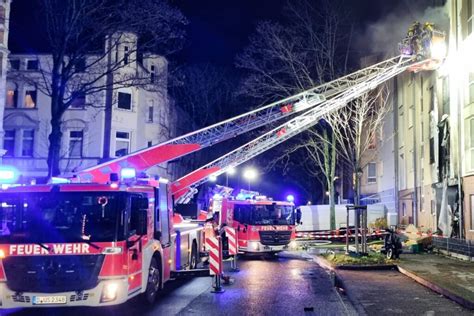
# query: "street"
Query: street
{"points": [[264, 286], [291, 284]]}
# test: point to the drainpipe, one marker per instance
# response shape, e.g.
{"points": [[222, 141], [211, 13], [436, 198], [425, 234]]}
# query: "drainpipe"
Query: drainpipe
{"points": [[395, 145]]}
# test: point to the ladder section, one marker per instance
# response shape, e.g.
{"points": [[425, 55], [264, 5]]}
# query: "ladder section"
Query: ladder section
{"points": [[180, 188], [197, 140]]}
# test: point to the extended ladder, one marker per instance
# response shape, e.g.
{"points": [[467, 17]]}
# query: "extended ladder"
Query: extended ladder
{"points": [[197, 140], [180, 188]]}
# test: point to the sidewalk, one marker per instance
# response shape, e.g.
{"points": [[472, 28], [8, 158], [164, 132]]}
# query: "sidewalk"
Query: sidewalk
{"points": [[451, 277]]}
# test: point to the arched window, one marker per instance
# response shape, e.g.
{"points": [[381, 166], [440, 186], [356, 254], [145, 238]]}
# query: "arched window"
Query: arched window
{"points": [[30, 97], [11, 100]]}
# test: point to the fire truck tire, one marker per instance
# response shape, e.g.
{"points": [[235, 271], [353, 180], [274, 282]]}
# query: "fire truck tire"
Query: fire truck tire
{"points": [[154, 282], [194, 259]]}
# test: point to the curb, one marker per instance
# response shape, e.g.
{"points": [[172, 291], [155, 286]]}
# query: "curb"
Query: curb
{"points": [[339, 282], [454, 297]]}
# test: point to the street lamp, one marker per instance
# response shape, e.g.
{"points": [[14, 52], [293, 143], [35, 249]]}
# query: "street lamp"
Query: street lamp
{"points": [[230, 172], [250, 174]]}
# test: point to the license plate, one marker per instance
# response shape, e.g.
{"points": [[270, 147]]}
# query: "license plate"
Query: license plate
{"points": [[43, 300]]}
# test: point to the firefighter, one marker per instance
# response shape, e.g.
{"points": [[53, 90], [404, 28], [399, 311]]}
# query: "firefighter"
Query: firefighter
{"points": [[414, 38]]}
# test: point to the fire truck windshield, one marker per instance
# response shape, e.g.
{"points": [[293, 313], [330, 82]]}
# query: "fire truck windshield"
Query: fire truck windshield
{"points": [[62, 217], [264, 214]]}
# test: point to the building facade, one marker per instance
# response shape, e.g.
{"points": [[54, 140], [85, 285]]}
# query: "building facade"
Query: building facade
{"points": [[140, 116], [434, 121]]}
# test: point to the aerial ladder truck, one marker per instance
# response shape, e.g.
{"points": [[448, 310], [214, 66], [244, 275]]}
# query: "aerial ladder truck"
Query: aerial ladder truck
{"points": [[106, 235]]}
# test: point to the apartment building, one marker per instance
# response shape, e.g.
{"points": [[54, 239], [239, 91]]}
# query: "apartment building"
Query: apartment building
{"points": [[434, 117], [141, 115]]}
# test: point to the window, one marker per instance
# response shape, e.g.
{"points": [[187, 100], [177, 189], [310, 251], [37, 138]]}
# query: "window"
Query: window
{"points": [[78, 101], [472, 211], [125, 55], [401, 171], [432, 99], [32, 64], [124, 101], [27, 143], [164, 211], [150, 112], [149, 143], [9, 143], [30, 99], [75, 143], [152, 74], [401, 130], [371, 172], [163, 116], [80, 65], [373, 141], [12, 99], [122, 144], [432, 150], [445, 96], [471, 142], [471, 87], [15, 64]]}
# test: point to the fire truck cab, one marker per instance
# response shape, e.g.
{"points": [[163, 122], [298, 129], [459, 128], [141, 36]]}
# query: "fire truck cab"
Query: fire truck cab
{"points": [[262, 225], [76, 244]]}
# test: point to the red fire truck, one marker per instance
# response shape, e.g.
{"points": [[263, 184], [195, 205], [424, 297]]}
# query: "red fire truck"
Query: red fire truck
{"points": [[262, 225], [90, 244]]}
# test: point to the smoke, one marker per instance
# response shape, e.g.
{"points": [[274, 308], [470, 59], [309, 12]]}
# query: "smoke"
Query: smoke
{"points": [[384, 35]]}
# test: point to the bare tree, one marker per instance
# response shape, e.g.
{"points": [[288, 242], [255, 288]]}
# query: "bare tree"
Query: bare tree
{"points": [[310, 48], [356, 129], [207, 93], [80, 64]]}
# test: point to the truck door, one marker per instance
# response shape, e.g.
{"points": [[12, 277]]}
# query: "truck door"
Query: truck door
{"points": [[135, 241]]}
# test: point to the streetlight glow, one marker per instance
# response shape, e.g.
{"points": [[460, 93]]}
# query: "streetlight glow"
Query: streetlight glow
{"points": [[212, 178], [231, 171], [250, 174]]}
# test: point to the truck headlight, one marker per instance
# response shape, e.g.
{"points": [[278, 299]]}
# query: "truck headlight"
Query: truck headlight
{"points": [[109, 292], [293, 244], [253, 245]]}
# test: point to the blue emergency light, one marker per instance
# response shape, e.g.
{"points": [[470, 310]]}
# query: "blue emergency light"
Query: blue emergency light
{"points": [[128, 173], [290, 198], [8, 174]]}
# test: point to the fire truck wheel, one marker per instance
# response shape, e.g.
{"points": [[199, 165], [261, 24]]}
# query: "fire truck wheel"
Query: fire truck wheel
{"points": [[194, 259], [154, 282]]}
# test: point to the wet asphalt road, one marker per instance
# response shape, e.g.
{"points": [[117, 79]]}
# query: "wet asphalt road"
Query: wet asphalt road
{"points": [[264, 286]]}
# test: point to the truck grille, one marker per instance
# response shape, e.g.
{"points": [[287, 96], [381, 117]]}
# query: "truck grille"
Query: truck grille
{"points": [[52, 274], [275, 238], [21, 298]]}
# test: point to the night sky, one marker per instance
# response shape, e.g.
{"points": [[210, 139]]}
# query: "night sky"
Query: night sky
{"points": [[217, 31]]}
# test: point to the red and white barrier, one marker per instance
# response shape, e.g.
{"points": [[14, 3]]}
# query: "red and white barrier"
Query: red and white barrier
{"points": [[232, 240], [215, 258], [336, 236]]}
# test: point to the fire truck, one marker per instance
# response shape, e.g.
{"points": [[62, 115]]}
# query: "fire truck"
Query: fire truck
{"points": [[105, 235], [90, 244], [261, 224]]}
